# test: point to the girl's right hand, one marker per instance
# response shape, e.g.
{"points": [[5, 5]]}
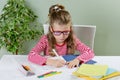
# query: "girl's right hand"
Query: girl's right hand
{"points": [[55, 62]]}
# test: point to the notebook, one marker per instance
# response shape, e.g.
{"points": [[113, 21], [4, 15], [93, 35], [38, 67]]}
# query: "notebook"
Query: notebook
{"points": [[92, 70], [71, 57]]}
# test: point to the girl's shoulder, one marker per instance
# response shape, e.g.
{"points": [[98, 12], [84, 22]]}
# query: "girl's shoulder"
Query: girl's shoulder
{"points": [[43, 38], [76, 39]]}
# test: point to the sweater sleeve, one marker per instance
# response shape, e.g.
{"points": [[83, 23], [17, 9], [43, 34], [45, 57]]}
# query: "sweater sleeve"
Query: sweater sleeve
{"points": [[34, 55], [86, 53]]}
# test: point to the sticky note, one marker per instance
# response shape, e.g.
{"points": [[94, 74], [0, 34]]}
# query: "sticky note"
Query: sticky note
{"points": [[92, 70]]}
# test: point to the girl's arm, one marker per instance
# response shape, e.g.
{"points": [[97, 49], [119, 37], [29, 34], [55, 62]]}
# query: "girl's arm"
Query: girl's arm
{"points": [[34, 55], [86, 53]]}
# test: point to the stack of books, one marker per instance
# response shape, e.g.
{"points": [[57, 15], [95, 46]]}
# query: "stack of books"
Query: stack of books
{"points": [[95, 72]]}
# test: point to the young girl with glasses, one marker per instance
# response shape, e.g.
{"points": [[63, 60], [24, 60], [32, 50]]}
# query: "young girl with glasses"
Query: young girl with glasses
{"points": [[60, 38]]}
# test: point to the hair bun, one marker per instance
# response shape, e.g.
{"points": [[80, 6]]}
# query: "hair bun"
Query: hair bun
{"points": [[56, 8]]}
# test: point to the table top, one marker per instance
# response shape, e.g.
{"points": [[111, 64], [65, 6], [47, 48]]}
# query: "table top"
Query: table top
{"points": [[9, 68]]}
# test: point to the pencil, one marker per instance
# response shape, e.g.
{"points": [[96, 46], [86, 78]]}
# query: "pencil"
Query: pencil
{"points": [[58, 55], [44, 74], [48, 74], [55, 52], [52, 73]]}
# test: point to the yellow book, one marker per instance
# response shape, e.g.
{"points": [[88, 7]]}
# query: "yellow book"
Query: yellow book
{"points": [[90, 75], [84, 76], [92, 70]]}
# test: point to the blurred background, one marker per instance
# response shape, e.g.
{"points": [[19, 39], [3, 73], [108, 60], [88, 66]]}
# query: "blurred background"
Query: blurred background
{"points": [[105, 14]]}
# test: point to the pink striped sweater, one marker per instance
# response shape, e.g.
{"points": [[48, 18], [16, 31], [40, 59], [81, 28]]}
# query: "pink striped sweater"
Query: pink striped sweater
{"points": [[42, 46]]}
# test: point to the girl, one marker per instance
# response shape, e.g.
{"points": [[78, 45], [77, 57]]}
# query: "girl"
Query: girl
{"points": [[61, 38]]}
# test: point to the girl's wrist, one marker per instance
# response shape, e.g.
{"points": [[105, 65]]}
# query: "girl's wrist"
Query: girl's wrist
{"points": [[48, 61]]}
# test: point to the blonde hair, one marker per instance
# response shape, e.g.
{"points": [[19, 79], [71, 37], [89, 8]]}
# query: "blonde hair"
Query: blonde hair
{"points": [[58, 14]]}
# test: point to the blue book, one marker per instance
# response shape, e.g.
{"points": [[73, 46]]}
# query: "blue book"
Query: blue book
{"points": [[71, 57]]}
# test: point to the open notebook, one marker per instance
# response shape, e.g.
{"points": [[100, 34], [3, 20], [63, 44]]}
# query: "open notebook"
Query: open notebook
{"points": [[68, 58], [71, 57]]}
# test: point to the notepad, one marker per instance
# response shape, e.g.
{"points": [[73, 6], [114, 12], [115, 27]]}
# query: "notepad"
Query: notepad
{"points": [[92, 70], [96, 72], [110, 70], [109, 73], [68, 58], [71, 57]]}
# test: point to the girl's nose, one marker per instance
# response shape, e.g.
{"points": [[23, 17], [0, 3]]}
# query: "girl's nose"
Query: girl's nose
{"points": [[62, 35]]}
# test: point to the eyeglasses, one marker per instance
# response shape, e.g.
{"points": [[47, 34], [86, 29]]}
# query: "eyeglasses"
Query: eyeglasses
{"points": [[58, 33]]}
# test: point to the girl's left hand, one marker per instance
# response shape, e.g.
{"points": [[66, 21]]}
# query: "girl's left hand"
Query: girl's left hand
{"points": [[73, 63]]}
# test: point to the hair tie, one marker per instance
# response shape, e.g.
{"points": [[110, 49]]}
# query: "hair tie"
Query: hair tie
{"points": [[56, 8]]}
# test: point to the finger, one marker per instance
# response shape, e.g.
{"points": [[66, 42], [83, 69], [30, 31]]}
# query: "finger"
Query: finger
{"points": [[67, 63], [62, 62], [70, 65], [59, 65], [77, 65]]}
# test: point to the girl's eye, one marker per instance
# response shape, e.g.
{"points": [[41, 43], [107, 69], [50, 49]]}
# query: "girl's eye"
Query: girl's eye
{"points": [[57, 33], [66, 32]]}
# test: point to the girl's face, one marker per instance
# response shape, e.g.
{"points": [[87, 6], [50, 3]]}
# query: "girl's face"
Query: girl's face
{"points": [[60, 32]]}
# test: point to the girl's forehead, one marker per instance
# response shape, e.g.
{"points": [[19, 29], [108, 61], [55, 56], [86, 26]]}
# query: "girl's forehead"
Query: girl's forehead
{"points": [[64, 26], [61, 27]]}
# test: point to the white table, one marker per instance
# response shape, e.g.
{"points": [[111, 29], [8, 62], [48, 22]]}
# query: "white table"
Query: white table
{"points": [[9, 68]]}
